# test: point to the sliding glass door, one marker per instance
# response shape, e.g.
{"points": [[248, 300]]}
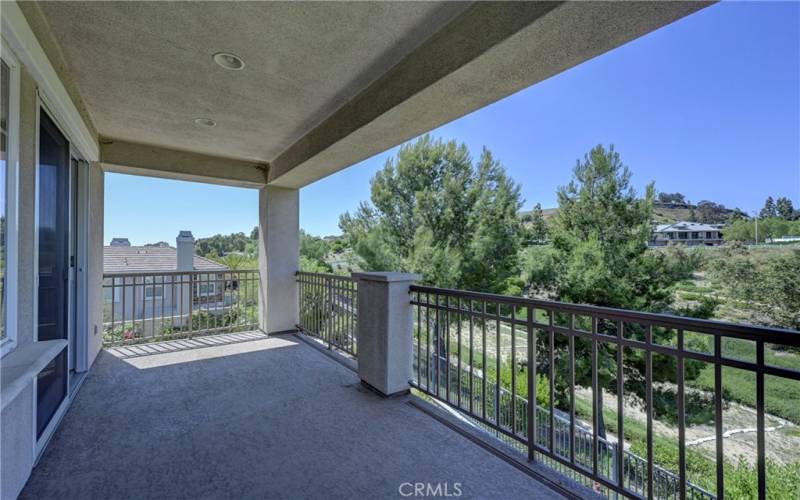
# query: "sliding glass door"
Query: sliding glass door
{"points": [[53, 290]]}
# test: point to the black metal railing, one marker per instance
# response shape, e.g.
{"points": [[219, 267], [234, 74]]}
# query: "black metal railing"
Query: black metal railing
{"points": [[329, 309], [488, 355], [148, 307]]}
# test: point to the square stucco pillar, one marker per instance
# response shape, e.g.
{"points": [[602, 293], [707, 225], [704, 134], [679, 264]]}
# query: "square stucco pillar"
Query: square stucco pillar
{"points": [[278, 258], [385, 326]]}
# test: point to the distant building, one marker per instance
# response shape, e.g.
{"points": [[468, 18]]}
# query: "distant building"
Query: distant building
{"points": [[155, 280], [687, 233]]}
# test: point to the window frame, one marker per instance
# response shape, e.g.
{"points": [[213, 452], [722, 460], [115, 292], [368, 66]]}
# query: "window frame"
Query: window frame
{"points": [[153, 287], [211, 289], [11, 289]]}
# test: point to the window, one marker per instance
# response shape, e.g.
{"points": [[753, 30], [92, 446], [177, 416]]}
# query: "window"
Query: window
{"points": [[205, 289], [153, 291], [695, 235], [709, 235], [683, 236], [9, 116]]}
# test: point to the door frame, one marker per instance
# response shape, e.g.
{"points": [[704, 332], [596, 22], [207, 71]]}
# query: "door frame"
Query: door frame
{"points": [[76, 305]]}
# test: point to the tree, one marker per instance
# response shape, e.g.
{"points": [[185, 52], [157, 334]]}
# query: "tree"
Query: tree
{"points": [[765, 286], [769, 209], [737, 215], [238, 261], [784, 208], [314, 249], [780, 291], [600, 238], [535, 225], [436, 212], [677, 198], [219, 245], [709, 212]]}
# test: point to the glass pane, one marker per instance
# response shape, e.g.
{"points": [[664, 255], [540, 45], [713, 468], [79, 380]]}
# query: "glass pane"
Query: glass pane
{"points": [[4, 83]]}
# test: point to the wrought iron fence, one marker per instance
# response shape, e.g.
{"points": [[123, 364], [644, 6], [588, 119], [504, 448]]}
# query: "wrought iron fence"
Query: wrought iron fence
{"points": [[148, 307], [329, 309], [472, 351]]}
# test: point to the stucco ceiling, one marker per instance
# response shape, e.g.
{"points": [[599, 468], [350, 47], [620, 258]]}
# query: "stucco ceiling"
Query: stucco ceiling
{"points": [[145, 69], [326, 84]]}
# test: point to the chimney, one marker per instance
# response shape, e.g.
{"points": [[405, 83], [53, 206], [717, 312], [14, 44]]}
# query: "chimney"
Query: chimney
{"points": [[120, 242], [185, 245]]}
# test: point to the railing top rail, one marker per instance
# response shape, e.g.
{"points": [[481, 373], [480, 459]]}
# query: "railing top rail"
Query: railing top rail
{"points": [[713, 327], [176, 273], [325, 275]]}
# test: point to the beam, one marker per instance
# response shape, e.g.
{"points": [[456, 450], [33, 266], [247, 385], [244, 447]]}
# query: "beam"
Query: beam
{"points": [[488, 52], [155, 161]]}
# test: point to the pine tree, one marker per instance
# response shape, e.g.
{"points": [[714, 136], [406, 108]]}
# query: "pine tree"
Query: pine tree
{"points": [[600, 238], [769, 209], [437, 212], [538, 226], [784, 208]]}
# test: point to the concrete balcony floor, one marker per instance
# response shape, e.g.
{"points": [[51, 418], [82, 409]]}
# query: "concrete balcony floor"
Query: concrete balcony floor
{"points": [[261, 418]]}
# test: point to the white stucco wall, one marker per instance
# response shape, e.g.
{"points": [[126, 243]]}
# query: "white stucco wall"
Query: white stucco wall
{"points": [[95, 261], [16, 438], [278, 257]]}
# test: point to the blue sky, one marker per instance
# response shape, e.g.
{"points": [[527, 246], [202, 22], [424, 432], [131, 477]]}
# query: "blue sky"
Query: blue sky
{"points": [[708, 106]]}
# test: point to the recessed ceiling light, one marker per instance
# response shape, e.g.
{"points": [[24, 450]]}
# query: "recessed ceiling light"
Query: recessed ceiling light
{"points": [[205, 122], [229, 61]]}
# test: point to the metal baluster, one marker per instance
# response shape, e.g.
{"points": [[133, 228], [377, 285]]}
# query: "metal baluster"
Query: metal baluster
{"points": [[531, 410], [551, 355], [595, 400], [513, 371], [760, 423], [458, 334], [620, 410], [498, 341], [649, 402], [572, 391], [681, 421], [471, 359], [428, 340], [483, 366], [718, 416]]}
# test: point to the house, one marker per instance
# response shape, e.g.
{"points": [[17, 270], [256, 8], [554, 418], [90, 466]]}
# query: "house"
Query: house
{"points": [[147, 282], [687, 233], [273, 96]]}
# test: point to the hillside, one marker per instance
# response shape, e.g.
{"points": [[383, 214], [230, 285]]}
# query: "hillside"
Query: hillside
{"points": [[668, 213]]}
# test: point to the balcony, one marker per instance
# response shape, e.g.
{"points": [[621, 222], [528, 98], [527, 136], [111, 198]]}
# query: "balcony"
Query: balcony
{"points": [[166, 384], [233, 412], [267, 417]]}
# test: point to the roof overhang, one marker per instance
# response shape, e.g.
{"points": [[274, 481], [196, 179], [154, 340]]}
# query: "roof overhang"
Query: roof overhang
{"points": [[325, 84]]}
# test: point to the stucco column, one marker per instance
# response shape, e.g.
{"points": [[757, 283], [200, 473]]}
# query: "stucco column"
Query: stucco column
{"points": [[385, 327], [278, 258]]}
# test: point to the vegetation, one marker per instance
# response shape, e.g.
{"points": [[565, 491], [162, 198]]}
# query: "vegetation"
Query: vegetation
{"points": [[783, 209], [220, 245], [437, 212], [313, 252], [770, 227], [535, 229], [765, 287]]}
